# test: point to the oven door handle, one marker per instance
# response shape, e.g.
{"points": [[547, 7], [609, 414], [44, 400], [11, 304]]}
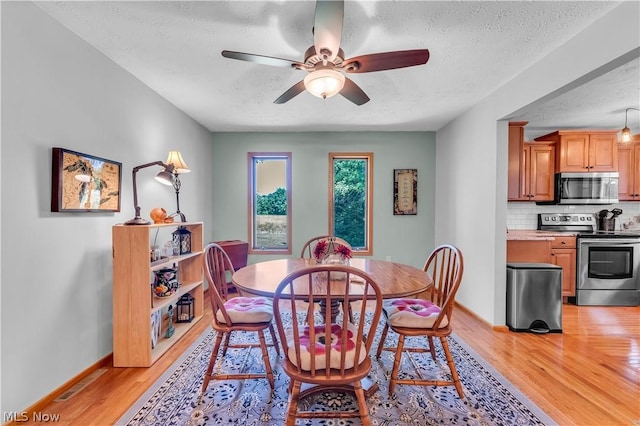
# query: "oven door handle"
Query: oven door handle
{"points": [[613, 241]]}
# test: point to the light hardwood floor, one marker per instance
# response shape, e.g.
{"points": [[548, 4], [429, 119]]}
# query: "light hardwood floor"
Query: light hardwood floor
{"points": [[587, 375]]}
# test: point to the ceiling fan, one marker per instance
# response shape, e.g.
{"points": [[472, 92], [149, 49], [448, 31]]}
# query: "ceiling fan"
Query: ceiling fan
{"points": [[325, 60]]}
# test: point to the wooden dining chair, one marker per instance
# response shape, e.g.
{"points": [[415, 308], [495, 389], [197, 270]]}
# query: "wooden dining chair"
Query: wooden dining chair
{"points": [[328, 356], [428, 317], [235, 315], [307, 251]]}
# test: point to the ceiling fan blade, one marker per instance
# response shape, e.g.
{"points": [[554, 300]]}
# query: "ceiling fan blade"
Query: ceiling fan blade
{"points": [[386, 61], [260, 59], [293, 91], [353, 92], [327, 28]]}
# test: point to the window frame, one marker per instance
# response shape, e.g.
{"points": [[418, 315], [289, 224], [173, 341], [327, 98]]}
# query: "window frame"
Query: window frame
{"points": [[368, 157], [251, 207]]}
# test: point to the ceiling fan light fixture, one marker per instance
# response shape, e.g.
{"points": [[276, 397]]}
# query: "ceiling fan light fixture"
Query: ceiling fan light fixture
{"points": [[324, 83]]}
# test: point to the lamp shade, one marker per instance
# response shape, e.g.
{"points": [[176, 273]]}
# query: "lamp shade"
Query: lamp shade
{"points": [[179, 166], [324, 82], [165, 177]]}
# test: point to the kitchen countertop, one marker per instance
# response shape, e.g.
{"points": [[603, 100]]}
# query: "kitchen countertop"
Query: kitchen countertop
{"points": [[536, 235]]}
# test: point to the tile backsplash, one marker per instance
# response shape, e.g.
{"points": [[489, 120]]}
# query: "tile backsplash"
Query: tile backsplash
{"points": [[524, 215]]}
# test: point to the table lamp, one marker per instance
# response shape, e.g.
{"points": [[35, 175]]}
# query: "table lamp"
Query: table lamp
{"points": [[165, 177], [179, 167]]}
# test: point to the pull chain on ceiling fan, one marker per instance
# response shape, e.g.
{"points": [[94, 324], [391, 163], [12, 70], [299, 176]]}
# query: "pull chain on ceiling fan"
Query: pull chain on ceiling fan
{"points": [[325, 60]]}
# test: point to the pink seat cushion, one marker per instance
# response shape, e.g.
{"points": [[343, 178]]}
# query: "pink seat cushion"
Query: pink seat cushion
{"points": [[247, 310], [412, 313], [322, 344]]}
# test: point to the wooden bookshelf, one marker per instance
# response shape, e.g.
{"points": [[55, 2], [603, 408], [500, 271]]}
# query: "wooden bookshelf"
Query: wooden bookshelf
{"points": [[134, 302]]}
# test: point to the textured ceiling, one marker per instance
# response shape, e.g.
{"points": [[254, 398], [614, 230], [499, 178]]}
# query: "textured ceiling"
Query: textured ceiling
{"points": [[475, 47], [600, 103]]}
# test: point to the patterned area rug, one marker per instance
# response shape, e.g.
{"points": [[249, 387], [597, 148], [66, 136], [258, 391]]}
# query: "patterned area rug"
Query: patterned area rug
{"points": [[489, 398]]}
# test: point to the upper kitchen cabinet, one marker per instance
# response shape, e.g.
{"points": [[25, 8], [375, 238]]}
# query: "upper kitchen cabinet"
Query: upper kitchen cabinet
{"points": [[516, 165], [629, 169], [584, 150], [539, 170], [531, 167]]}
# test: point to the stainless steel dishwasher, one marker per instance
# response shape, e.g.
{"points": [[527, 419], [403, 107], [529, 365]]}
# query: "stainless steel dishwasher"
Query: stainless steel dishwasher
{"points": [[534, 297]]}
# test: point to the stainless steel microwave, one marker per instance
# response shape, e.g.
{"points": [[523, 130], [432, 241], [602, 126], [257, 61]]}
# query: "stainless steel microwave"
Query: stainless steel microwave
{"points": [[587, 188]]}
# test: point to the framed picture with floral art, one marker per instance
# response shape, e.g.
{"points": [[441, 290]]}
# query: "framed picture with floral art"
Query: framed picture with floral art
{"points": [[405, 191], [84, 183]]}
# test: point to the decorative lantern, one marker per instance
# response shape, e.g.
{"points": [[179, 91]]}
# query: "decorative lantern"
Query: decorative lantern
{"points": [[185, 308], [181, 241]]}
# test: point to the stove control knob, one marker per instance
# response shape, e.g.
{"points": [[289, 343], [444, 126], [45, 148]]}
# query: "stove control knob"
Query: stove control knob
{"points": [[582, 218], [554, 218], [589, 218]]}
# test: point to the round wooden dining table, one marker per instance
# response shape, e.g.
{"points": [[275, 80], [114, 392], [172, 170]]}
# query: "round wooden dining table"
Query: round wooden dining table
{"points": [[394, 279]]}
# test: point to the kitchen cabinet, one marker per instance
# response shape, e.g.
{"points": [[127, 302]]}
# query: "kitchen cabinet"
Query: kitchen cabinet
{"points": [[531, 167], [140, 319], [563, 253], [537, 173], [529, 250], [515, 170], [584, 150], [629, 169]]}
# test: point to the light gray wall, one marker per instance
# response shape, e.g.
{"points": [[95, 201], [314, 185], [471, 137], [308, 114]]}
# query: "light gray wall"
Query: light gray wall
{"points": [[406, 239], [465, 199], [472, 186], [56, 276]]}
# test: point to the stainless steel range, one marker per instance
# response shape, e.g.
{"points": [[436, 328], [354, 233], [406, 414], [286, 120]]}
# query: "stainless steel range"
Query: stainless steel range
{"points": [[607, 262]]}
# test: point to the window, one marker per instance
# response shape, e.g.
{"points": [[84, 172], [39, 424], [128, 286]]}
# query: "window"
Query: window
{"points": [[269, 202], [351, 199]]}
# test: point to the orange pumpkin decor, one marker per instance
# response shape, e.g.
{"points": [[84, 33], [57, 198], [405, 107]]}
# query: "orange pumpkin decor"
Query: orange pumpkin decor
{"points": [[158, 215]]}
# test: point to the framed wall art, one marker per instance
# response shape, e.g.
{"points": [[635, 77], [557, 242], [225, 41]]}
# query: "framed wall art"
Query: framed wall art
{"points": [[405, 191], [84, 183]]}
